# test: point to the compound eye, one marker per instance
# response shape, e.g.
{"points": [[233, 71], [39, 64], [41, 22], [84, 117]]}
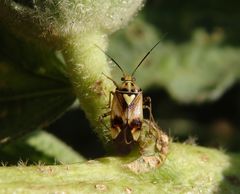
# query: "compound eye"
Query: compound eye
{"points": [[122, 78], [134, 79]]}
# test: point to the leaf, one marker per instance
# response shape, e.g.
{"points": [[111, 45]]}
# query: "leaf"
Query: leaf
{"points": [[33, 88], [53, 21], [38, 147]]}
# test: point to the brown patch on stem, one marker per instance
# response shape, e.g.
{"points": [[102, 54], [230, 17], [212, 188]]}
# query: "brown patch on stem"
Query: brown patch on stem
{"points": [[101, 187], [128, 190], [204, 158], [144, 164], [98, 88]]}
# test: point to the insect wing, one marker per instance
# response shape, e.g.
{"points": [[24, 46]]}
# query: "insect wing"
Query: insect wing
{"points": [[135, 109], [118, 115], [135, 116], [125, 115]]}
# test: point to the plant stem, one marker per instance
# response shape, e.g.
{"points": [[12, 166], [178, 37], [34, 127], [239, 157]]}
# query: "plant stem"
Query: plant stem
{"points": [[86, 63], [188, 169]]}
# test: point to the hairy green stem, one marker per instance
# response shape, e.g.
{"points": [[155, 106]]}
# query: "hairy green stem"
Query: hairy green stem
{"points": [[188, 169], [86, 65]]}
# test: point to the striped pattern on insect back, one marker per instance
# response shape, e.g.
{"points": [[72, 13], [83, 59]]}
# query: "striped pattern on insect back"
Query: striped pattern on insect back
{"points": [[126, 121]]}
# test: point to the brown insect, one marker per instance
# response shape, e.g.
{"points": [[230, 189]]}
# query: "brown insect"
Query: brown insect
{"points": [[126, 105]]}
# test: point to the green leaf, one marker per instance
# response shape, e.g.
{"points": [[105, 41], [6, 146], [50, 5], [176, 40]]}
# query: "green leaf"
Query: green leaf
{"points": [[53, 21], [38, 147], [33, 87]]}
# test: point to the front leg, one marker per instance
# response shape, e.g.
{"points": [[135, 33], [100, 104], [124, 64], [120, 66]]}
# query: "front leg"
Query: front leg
{"points": [[110, 98], [102, 117]]}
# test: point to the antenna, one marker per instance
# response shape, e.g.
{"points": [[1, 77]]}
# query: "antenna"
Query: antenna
{"points": [[115, 83], [111, 59], [146, 56]]}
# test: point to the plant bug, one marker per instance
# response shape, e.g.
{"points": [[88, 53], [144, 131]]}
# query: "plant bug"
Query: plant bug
{"points": [[126, 105]]}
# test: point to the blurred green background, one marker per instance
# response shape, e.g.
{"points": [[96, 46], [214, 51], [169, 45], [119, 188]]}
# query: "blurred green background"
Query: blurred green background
{"points": [[192, 76]]}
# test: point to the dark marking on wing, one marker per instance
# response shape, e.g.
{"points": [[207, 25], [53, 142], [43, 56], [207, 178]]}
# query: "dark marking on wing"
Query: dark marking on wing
{"points": [[117, 121], [125, 134], [136, 123]]}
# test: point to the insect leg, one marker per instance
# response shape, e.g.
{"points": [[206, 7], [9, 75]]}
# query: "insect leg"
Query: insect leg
{"points": [[110, 99], [147, 104], [102, 117]]}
